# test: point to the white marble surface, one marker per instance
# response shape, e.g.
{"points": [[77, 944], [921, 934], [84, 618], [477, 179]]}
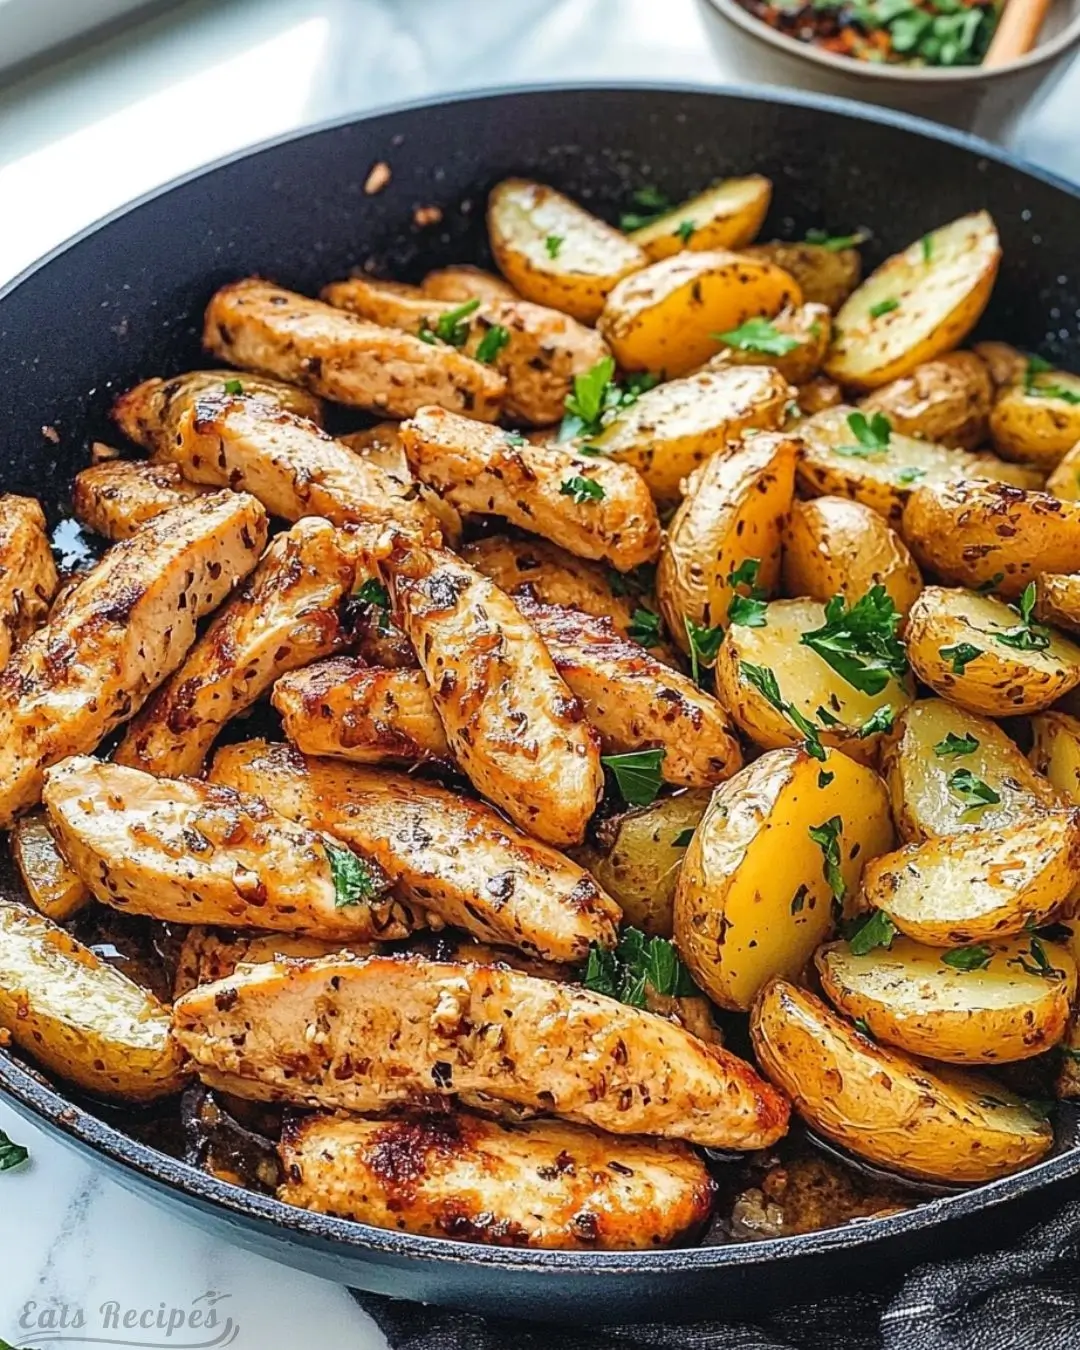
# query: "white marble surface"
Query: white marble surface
{"points": [[86, 136]]}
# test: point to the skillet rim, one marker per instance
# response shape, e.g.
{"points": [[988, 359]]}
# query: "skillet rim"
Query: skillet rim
{"points": [[36, 1100]]}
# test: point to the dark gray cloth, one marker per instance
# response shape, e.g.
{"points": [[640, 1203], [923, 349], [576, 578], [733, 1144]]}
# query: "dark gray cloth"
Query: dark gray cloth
{"points": [[1026, 1298]]}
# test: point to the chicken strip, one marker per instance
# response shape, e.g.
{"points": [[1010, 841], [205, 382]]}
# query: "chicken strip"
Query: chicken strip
{"points": [[209, 954], [191, 852], [512, 723], [386, 1031], [118, 497], [150, 413], [592, 507], [258, 326], [286, 615], [635, 702], [28, 578], [347, 710], [538, 1184], [447, 854], [463, 281], [381, 445], [290, 465], [538, 350], [121, 631]]}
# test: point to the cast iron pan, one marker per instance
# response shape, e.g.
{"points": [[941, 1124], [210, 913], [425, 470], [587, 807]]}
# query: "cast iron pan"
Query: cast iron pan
{"points": [[124, 300]]}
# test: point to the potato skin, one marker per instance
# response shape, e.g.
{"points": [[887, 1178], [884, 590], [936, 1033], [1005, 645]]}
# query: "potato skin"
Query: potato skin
{"points": [[1006, 364], [835, 546], [726, 215], [55, 890], [886, 1107], [1057, 600], [1064, 479], [946, 400], [1036, 428], [825, 276], [1055, 752]]}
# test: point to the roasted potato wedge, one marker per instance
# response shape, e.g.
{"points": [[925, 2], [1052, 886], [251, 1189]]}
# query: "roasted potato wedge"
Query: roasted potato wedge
{"points": [[663, 317], [672, 429], [836, 546], [1064, 478], [943, 1125], [734, 512], [814, 397], [1057, 600], [1037, 419], [79, 1017], [916, 305], [845, 717], [930, 741], [978, 885], [826, 276], [947, 401], [727, 215], [576, 271], [56, 891], [992, 535], [780, 845], [28, 577], [1055, 752], [998, 1007], [794, 343], [955, 645]]}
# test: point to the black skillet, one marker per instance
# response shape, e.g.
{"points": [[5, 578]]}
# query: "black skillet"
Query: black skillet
{"points": [[123, 301]]}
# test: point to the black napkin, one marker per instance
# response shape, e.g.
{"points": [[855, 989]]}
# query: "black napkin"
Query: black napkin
{"points": [[1026, 1298]]}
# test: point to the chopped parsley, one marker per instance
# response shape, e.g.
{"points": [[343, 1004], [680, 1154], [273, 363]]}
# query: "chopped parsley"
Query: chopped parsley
{"points": [[1040, 963], [704, 644], [514, 438], [637, 775], [645, 628], [960, 656], [1038, 366], [553, 243], [927, 243], [582, 490], [862, 1026], [451, 327], [764, 681], [905, 477], [1026, 636], [597, 398], [877, 930], [881, 720], [684, 230], [884, 307], [984, 587], [860, 642], [973, 792], [375, 594], [758, 335], [353, 882], [651, 204], [233, 387], [976, 957], [683, 838], [872, 435], [748, 610], [953, 746], [836, 243], [638, 964], [827, 838], [640, 580], [824, 778], [11, 1154], [492, 343]]}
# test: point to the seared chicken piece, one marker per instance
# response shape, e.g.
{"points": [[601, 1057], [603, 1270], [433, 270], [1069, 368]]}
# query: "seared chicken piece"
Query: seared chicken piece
{"points": [[292, 466], [150, 413], [56, 891], [287, 614], [259, 326], [447, 854], [28, 577], [512, 723], [592, 507], [538, 1184], [381, 445], [368, 1035], [351, 711], [538, 350], [117, 635], [636, 702], [191, 852], [118, 497], [208, 954], [463, 281]]}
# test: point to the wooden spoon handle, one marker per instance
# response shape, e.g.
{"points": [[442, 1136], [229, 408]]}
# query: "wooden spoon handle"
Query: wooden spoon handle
{"points": [[1017, 30]]}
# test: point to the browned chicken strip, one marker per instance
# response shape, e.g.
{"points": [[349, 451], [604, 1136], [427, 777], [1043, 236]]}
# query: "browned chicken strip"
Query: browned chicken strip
{"points": [[150, 413], [292, 466], [512, 723], [118, 497], [258, 326], [538, 1184], [208, 954], [592, 507], [287, 614], [191, 852], [538, 350], [446, 853], [348, 710], [368, 1035], [635, 701], [463, 281], [121, 631], [381, 445], [28, 578]]}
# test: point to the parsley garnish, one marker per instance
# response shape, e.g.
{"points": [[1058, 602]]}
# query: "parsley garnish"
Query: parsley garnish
{"points": [[1026, 636], [824, 778], [11, 1154], [597, 399], [652, 203], [985, 587], [976, 957], [758, 335], [827, 838], [492, 343], [553, 243], [882, 720], [637, 775], [582, 490], [748, 610], [704, 644], [683, 838], [684, 230], [637, 964], [862, 1026], [872, 435], [640, 580], [910, 475], [953, 746], [860, 643], [645, 628], [884, 307], [764, 681], [514, 438], [878, 930], [374, 593], [835, 243], [972, 791], [961, 656], [1038, 366], [451, 327], [352, 880], [1040, 963], [927, 242], [233, 387]]}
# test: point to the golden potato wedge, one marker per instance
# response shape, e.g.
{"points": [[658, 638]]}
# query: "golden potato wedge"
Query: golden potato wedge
{"points": [[676, 426], [930, 741], [1055, 752], [463, 281], [991, 1005], [978, 885], [826, 276], [976, 650], [834, 462], [815, 396], [946, 401], [943, 1125], [663, 317], [990, 534], [916, 305], [835, 546], [1064, 478], [56, 891], [636, 857], [844, 716], [554, 252], [733, 513], [781, 846], [81, 1018], [1006, 364], [795, 343], [727, 215], [1036, 420], [1057, 600]]}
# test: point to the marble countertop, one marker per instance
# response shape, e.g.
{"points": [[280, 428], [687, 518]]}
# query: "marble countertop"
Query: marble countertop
{"points": [[86, 135]]}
